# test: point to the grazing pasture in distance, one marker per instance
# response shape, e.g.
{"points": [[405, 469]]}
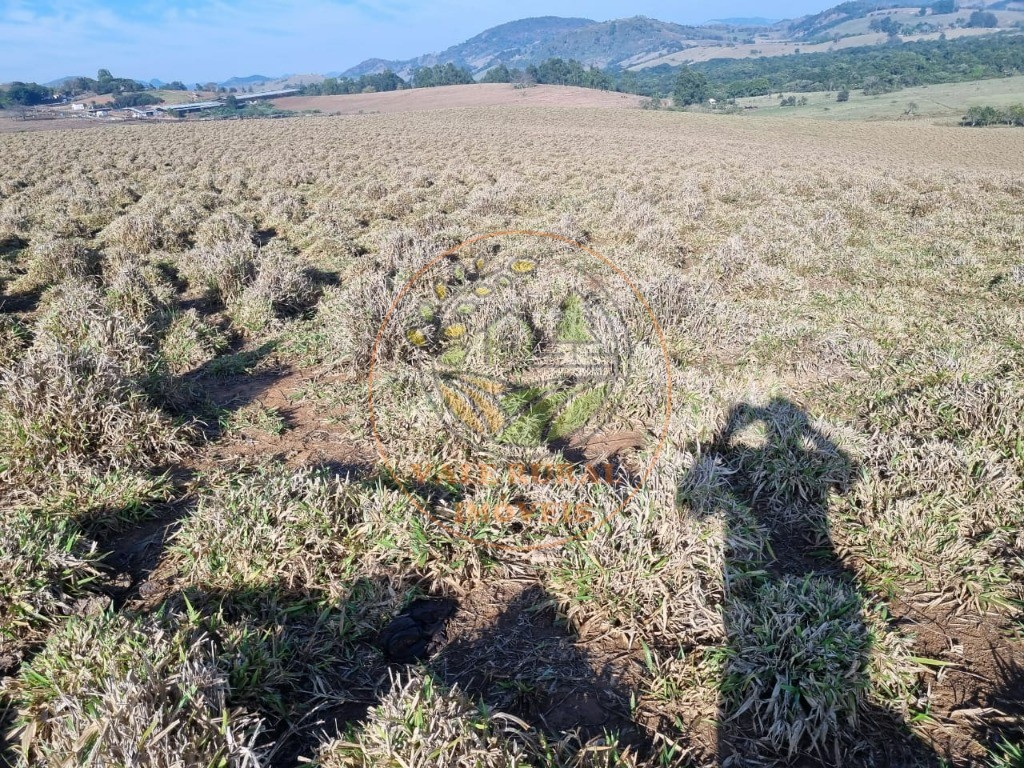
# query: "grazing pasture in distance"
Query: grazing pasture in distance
{"points": [[948, 101], [206, 560]]}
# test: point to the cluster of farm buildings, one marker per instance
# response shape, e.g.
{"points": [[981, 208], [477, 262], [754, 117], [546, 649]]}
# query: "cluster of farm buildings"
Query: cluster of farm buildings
{"points": [[176, 110]]}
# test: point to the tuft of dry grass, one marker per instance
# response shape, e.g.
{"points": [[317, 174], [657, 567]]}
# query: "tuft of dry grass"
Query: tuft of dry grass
{"points": [[419, 724], [289, 529], [72, 404], [145, 694]]}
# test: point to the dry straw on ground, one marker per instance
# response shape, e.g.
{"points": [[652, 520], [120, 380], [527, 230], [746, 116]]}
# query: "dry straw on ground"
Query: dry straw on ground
{"points": [[200, 546]]}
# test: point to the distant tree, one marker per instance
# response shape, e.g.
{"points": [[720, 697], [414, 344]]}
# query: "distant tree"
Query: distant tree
{"points": [[176, 85], [983, 19], [423, 77], [107, 83], [383, 81], [885, 24], [690, 87], [231, 101], [554, 71], [628, 82], [524, 78], [452, 75], [78, 85], [135, 100], [595, 78], [982, 116], [944, 6], [498, 74], [1013, 115], [843, 95], [28, 94], [441, 74]]}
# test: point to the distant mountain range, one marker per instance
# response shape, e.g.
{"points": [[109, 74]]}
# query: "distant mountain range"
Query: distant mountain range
{"points": [[243, 82], [258, 82], [640, 42], [530, 41]]}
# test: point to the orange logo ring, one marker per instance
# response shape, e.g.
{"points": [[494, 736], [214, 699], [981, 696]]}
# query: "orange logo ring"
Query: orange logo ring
{"points": [[382, 451]]}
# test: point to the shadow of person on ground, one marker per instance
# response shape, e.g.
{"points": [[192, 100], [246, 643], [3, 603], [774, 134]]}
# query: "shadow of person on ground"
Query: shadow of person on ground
{"points": [[513, 653], [1002, 719], [307, 666], [795, 676]]}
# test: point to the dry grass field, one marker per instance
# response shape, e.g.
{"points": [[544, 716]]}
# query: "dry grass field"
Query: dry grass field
{"points": [[456, 96], [208, 559]]}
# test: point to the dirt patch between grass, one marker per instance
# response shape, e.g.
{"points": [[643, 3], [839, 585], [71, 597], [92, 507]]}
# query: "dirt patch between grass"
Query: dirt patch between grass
{"points": [[981, 690], [308, 436]]}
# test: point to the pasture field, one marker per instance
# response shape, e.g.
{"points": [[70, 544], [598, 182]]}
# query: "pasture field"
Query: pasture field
{"points": [[805, 539], [946, 103]]}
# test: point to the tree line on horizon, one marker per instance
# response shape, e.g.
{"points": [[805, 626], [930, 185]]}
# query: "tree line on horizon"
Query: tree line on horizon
{"points": [[872, 69], [982, 116]]}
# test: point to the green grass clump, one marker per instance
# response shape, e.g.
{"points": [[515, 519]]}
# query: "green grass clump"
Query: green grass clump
{"points": [[797, 659], [189, 342], [537, 416], [941, 503], [254, 416], [1007, 755], [74, 406], [13, 340], [269, 527], [47, 563], [572, 325], [509, 343], [786, 460], [417, 724], [578, 409], [531, 413], [109, 690]]}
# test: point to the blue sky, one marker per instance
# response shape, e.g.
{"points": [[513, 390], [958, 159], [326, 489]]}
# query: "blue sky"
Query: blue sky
{"points": [[206, 40]]}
